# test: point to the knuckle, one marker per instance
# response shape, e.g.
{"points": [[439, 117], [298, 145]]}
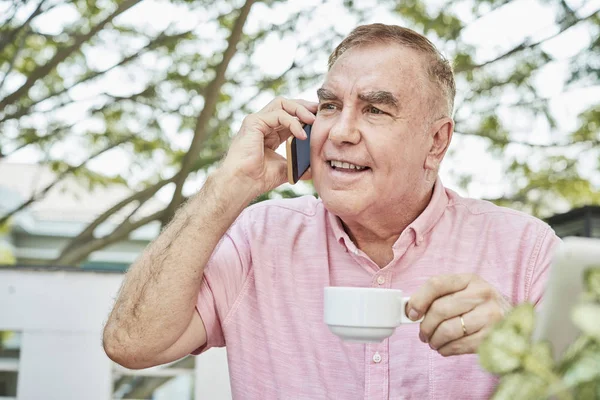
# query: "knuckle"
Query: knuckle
{"points": [[495, 314], [436, 282], [445, 330], [250, 119], [440, 309], [488, 293]]}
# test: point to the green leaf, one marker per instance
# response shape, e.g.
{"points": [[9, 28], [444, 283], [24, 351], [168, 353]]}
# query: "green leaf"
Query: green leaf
{"points": [[592, 282], [586, 369], [541, 352], [574, 352], [502, 351], [6, 227], [520, 386], [522, 319], [588, 391], [587, 318]]}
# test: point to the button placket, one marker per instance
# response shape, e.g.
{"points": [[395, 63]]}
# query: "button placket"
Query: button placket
{"points": [[377, 371]]}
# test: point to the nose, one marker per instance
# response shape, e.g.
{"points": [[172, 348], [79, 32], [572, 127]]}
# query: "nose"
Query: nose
{"points": [[345, 129]]}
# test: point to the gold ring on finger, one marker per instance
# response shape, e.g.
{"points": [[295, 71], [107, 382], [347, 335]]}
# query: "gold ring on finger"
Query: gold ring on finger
{"points": [[464, 328]]}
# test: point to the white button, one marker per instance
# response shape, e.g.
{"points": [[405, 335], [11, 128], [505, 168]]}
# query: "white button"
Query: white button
{"points": [[381, 279], [377, 358], [355, 252]]}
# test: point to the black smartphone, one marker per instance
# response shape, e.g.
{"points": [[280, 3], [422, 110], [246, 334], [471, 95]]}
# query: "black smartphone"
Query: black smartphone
{"points": [[298, 156]]}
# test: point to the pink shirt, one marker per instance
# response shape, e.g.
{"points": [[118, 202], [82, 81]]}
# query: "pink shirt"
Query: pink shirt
{"points": [[262, 297]]}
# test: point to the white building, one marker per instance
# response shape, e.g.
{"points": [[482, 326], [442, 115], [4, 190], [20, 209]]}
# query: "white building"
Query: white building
{"points": [[51, 319]]}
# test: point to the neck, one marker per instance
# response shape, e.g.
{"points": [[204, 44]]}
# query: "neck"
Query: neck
{"points": [[376, 231]]}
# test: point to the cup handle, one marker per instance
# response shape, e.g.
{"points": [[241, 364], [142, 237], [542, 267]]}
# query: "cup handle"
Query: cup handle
{"points": [[403, 317]]}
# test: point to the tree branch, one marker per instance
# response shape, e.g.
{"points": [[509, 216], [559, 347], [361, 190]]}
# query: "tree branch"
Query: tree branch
{"points": [[526, 45], [56, 132], [553, 145], [160, 40], [210, 104], [37, 196], [82, 251], [88, 233], [62, 54], [76, 249], [10, 37], [13, 59], [495, 7]]}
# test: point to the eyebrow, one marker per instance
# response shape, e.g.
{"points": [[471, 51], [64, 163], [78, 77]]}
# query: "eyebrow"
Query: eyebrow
{"points": [[379, 97], [326, 94], [375, 97]]}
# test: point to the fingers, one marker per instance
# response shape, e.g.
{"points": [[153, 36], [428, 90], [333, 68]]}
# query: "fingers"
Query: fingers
{"points": [[475, 320], [446, 308], [277, 168], [302, 109], [434, 288], [464, 345], [279, 121]]}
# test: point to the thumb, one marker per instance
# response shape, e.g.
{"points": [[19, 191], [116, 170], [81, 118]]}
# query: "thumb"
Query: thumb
{"points": [[276, 169]]}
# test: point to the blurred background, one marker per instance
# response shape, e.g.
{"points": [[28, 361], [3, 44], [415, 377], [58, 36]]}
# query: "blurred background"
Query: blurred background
{"points": [[112, 113]]}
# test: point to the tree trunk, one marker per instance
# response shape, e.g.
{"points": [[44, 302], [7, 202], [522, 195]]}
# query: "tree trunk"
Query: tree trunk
{"points": [[210, 104]]}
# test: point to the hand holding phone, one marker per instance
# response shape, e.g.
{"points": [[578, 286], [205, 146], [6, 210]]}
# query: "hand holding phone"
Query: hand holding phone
{"points": [[298, 156]]}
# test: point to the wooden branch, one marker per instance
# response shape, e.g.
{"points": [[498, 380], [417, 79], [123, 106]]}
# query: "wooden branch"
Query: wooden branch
{"points": [[55, 132], [590, 143], [11, 64], [157, 42], [37, 196], [527, 45], [79, 252], [210, 102], [10, 36], [88, 233], [62, 54]]}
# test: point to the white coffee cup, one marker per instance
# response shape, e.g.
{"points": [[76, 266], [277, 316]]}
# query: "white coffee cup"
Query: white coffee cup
{"points": [[364, 315]]}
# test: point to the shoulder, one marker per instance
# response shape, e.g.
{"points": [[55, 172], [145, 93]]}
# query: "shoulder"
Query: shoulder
{"points": [[482, 211]]}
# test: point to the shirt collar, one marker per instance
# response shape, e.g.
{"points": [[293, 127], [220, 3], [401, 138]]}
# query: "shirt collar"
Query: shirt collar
{"points": [[421, 225]]}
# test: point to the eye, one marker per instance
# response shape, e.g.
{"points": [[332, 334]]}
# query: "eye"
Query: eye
{"points": [[326, 107], [374, 110]]}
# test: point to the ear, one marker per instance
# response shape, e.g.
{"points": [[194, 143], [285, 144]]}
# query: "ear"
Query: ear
{"points": [[439, 134]]}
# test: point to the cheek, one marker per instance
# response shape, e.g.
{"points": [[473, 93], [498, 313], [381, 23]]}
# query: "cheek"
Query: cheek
{"points": [[396, 158], [318, 136]]}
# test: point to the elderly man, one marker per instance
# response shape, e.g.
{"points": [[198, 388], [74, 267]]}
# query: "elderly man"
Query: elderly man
{"points": [[252, 278]]}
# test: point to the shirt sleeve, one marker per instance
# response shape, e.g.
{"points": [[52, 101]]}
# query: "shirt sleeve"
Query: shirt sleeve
{"points": [[540, 263], [224, 278]]}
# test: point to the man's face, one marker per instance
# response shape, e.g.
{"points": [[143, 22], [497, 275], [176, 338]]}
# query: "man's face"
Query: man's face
{"points": [[373, 113]]}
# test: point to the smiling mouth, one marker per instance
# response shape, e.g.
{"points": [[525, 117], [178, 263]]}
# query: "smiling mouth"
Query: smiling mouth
{"points": [[345, 166]]}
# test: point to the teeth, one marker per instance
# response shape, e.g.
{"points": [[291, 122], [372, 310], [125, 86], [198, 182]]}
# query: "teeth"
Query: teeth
{"points": [[340, 164]]}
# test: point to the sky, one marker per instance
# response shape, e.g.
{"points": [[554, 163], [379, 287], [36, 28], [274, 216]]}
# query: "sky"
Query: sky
{"points": [[491, 35]]}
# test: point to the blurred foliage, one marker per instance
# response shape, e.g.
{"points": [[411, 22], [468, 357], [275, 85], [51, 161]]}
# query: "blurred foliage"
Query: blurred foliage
{"points": [[7, 256], [528, 370], [86, 81]]}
